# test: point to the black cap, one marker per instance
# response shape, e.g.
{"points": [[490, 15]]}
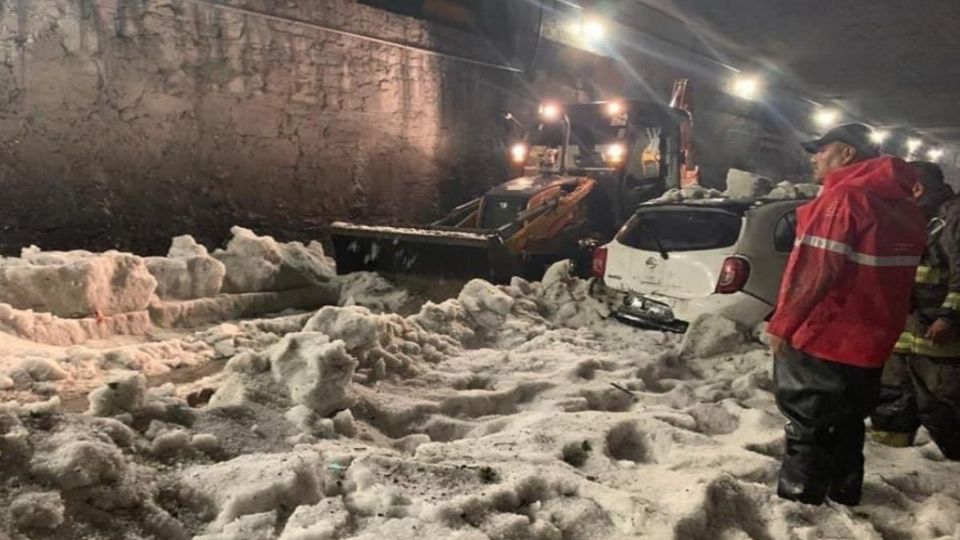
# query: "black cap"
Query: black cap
{"points": [[859, 136]]}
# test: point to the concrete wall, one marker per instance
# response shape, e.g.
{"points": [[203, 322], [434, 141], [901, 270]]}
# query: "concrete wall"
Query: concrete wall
{"points": [[125, 122]]}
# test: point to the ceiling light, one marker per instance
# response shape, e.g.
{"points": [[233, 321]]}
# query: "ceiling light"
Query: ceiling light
{"points": [[935, 154], [746, 86], [826, 118], [914, 144], [594, 30], [550, 112], [879, 135]]}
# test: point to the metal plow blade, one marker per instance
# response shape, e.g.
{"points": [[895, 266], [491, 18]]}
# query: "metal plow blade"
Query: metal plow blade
{"points": [[429, 251]]}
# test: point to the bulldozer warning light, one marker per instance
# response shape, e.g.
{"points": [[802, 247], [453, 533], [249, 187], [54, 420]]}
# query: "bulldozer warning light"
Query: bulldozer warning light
{"points": [[550, 112], [518, 153], [615, 153], [614, 108]]}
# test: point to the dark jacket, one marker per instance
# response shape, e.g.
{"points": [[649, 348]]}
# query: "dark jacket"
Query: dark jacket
{"points": [[936, 292]]}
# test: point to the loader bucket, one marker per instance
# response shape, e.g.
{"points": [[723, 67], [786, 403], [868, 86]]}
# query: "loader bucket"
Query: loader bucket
{"points": [[443, 252]]}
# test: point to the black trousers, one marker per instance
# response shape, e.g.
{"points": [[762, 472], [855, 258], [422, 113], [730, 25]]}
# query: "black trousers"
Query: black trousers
{"points": [[922, 390], [825, 404]]}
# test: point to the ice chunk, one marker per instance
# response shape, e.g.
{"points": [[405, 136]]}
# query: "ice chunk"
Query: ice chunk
{"points": [[186, 278], [79, 463], [747, 185], [76, 283], [316, 372], [710, 335], [38, 510], [125, 393], [254, 483], [260, 263]]}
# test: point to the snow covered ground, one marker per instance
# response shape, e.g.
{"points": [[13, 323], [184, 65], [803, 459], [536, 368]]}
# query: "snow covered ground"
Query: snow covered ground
{"points": [[514, 412]]}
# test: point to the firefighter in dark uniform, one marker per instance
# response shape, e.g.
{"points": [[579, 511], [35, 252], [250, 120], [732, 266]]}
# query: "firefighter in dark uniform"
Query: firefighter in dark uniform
{"points": [[921, 382]]}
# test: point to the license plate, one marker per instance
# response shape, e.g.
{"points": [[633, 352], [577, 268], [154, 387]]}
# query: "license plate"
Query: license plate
{"points": [[645, 307]]}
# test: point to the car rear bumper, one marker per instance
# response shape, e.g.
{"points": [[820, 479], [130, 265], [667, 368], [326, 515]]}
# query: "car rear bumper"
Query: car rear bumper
{"points": [[679, 327], [743, 309]]}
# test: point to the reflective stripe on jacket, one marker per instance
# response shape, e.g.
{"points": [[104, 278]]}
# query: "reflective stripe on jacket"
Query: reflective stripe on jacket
{"points": [[936, 291], [846, 290]]}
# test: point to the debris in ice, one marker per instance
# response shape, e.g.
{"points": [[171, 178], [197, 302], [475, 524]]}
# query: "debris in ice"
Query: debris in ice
{"points": [[372, 291]]}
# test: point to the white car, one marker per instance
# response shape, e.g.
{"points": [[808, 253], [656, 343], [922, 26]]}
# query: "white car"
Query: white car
{"points": [[674, 261]]}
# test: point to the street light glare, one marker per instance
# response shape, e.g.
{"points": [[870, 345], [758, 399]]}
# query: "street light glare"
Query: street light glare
{"points": [[935, 154], [826, 118], [594, 30], [746, 86], [914, 144], [879, 135]]}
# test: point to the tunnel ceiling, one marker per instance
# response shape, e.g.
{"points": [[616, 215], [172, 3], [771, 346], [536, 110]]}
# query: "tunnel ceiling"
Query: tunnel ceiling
{"points": [[894, 62]]}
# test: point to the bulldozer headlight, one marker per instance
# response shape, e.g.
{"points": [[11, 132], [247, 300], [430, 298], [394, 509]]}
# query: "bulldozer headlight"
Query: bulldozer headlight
{"points": [[614, 108], [615, 153], [550, 112], [518, 153]]}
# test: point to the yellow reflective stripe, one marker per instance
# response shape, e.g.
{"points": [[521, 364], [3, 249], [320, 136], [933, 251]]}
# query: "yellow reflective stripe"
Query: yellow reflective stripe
{"points": [[904, 343], [914, 344], [952, 301], [928, 275]]}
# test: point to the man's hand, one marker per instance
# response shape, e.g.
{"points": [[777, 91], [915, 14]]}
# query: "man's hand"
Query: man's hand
{"points": [[776, 343], [941, 331]]}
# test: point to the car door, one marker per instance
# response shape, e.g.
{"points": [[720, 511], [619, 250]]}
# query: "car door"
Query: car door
{"points": [[768, 241]]}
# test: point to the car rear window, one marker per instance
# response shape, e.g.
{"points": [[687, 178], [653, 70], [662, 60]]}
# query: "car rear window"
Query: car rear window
{"points": [[681, 229]]}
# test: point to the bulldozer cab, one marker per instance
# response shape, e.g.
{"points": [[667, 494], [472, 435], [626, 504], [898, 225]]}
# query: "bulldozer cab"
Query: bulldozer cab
{"points": [[632, 148]]}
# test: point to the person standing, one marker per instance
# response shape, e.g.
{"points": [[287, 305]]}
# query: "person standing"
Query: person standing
{"points": [[843, 302], [921, 381]]}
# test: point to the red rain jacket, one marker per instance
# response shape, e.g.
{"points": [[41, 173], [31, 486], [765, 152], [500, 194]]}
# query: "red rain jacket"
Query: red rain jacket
{"points": [[845, 294]]}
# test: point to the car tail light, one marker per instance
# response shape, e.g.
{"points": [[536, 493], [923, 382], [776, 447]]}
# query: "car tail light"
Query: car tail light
{"points": [[599, 267], [733, 275]]}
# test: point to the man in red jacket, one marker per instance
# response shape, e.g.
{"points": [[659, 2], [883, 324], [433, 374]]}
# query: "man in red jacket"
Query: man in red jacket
{"points": [[843, 303]]}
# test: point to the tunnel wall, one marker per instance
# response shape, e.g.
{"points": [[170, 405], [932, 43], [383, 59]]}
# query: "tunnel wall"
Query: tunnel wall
{"points": [[125, 122]]}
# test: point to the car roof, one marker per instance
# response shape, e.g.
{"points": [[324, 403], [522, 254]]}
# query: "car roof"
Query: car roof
{"points": [[736, 206]]}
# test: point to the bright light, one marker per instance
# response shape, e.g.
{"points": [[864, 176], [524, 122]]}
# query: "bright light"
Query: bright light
{"points": [[519, 153], [550, 112], [614, 108], [616, 152], [935, 154], [878, 136], [594, 30], [746, 87], [914, 144], [826, 118]]}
